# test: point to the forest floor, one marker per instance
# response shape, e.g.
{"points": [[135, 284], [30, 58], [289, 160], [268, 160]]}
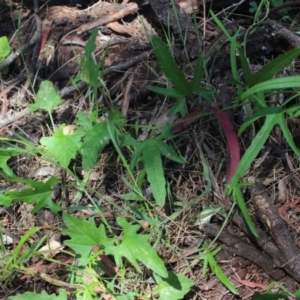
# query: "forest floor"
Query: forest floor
{"points": [[47, 40]]}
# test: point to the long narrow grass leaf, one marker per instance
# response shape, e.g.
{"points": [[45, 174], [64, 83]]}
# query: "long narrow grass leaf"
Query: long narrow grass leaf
{"points": [[173, 93], [262, 112], [238, 198], [287, 133], [273, 84], [233, 61], [220, 24], [253, 150], [219, 273], [248, 77], [275, 66]]}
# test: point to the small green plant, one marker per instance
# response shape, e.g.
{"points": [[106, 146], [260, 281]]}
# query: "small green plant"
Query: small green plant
{"points": [[256, 88], [208, 258], [182, 88], [4, 48], [4, 51], [81, 144]]}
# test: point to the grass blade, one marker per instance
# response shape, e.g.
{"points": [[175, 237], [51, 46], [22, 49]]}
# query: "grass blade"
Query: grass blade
{"points": [[273, 84], [275, 66], [255, 147]]}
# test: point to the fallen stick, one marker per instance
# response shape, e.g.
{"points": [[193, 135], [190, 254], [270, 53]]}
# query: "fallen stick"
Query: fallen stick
{"points": [[127, 10]]}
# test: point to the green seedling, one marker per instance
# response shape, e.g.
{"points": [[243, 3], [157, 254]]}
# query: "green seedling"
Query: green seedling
{"points": [[208, 258], [4, 51], [134, 247], [150, 152], [257, 86], [173, 284]]}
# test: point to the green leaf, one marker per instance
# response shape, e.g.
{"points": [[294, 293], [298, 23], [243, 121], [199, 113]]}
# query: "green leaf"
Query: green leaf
{"points": [[94, 142], [238, 198], [270, 296], [135, 247], [4, 166], [173, 287], [43, 295], [167, 63], [253, 7], [61, 146], [207, 212], [220, 25], [128, 140], [167, 151], [255, 147], [4, 48], [206, 94], [262, 112], [275, 66], [97, 138], [86, 122], [89, 70], [136, 156], [84, 236], [198, 73], [142, 216], [179, 107], [219, 273], [40, 193], [281, 121], [173, 93], [155, 173], [47, 97], [248, 77], [273, 84], [234, 46]]}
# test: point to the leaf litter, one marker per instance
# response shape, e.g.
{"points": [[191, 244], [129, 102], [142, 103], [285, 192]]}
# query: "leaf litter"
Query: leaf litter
{"points": [[176, 196]]}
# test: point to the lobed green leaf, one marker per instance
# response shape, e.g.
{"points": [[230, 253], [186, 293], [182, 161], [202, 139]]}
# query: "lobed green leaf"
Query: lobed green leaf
{"points": [[167, 64]]}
